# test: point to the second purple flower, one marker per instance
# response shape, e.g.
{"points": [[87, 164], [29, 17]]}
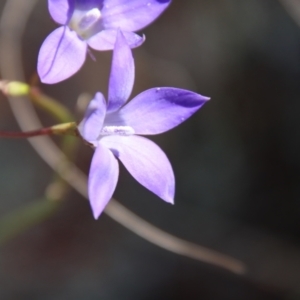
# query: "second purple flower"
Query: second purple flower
{"points": [[91, 23]]}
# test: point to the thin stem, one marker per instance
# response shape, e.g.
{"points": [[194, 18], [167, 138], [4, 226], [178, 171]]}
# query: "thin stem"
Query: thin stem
{"points": [[50, 105], [60, 129], [167, 241], [28, 134]]}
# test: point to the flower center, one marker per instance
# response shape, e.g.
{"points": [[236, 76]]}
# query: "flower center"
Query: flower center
{"points": [[86, 23], [117, 130]]}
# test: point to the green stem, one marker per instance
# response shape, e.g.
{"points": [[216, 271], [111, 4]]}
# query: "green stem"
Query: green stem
{"points": [[26, 217], [60, 112], [50, 105]]}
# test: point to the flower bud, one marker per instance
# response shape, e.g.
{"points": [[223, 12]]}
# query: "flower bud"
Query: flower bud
{"points": [[14, 88]]}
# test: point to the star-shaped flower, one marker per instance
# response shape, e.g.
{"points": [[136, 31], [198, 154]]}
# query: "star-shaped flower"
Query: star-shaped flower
{"points": [[114, 128], [92, 23]]}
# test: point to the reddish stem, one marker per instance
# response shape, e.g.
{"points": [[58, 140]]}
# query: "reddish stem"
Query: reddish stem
{"points": [[28, 134]]}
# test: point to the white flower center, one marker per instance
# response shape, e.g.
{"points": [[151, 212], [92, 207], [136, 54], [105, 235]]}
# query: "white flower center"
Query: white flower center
{"points": [[86, 23], [117, 130]]}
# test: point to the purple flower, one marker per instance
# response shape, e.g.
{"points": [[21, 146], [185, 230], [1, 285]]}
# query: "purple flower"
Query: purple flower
{"points": [[114, 129], [92, 23]]}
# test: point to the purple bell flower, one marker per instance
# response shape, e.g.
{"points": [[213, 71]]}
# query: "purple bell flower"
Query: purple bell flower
{"points": [[114, 128], [91, 23]]}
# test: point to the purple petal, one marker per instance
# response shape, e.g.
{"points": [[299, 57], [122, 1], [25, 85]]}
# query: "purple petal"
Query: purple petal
{"points": [[132, 15], [146, 162], [91, 125], [106, 39], [121, 75], [103, 177], [157, 110], [61, 10], [88, 4], [61, 55]]}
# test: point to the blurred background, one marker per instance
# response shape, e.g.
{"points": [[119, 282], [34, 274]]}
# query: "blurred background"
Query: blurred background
{"points": [[236, 164]]}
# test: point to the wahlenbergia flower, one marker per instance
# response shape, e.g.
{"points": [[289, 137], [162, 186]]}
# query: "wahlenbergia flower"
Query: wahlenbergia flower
{"points": [[92, 23], [114, 129]]}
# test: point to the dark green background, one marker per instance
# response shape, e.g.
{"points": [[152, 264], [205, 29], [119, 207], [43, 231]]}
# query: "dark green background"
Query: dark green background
{"points": [[236, 164]]}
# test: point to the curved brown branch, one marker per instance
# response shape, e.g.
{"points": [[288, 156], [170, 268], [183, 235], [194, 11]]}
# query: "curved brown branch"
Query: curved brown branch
{"points": [[293, 9]]}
